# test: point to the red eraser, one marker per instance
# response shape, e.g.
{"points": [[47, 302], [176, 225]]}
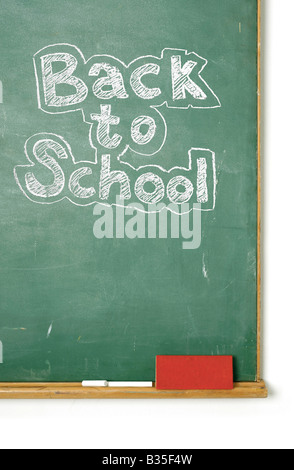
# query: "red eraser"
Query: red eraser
{"points": [[194, 373]]}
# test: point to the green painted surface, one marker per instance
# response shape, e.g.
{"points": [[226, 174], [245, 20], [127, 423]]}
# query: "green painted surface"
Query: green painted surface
{"points": [[73, 307]]}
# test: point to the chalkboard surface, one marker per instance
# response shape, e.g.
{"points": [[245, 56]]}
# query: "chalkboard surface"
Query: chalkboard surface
{"points": [[111, 104]]}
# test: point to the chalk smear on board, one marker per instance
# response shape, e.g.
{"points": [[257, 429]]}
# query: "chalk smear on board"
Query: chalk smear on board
{"points": [[3, 116], [50, 330], [227, 286], [251, 262], [1, 352], [3, 120], [204, 268], [14, 329]]}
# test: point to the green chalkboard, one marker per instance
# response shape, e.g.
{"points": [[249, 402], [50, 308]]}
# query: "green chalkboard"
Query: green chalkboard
{"points": [[128, 195]]}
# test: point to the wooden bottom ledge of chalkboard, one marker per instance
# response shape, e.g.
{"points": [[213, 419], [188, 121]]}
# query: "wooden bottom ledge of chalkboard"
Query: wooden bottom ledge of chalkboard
{"points": [[76, 391]]}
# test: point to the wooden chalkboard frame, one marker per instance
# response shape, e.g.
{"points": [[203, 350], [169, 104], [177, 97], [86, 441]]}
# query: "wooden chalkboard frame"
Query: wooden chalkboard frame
{"points": [[241, 389]]}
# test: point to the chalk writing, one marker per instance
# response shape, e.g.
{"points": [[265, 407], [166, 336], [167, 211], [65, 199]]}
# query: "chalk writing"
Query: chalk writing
{"points": [[121, 104]]}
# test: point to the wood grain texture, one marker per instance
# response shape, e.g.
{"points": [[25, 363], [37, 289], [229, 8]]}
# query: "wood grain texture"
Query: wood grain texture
{"points": [[76, 391]]}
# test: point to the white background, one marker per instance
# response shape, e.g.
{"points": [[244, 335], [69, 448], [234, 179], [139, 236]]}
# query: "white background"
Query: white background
{"points": [[209, 424]]}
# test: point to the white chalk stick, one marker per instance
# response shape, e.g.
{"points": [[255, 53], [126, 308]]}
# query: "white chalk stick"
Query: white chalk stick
{"points": [[130, 384], [95, 383]]}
